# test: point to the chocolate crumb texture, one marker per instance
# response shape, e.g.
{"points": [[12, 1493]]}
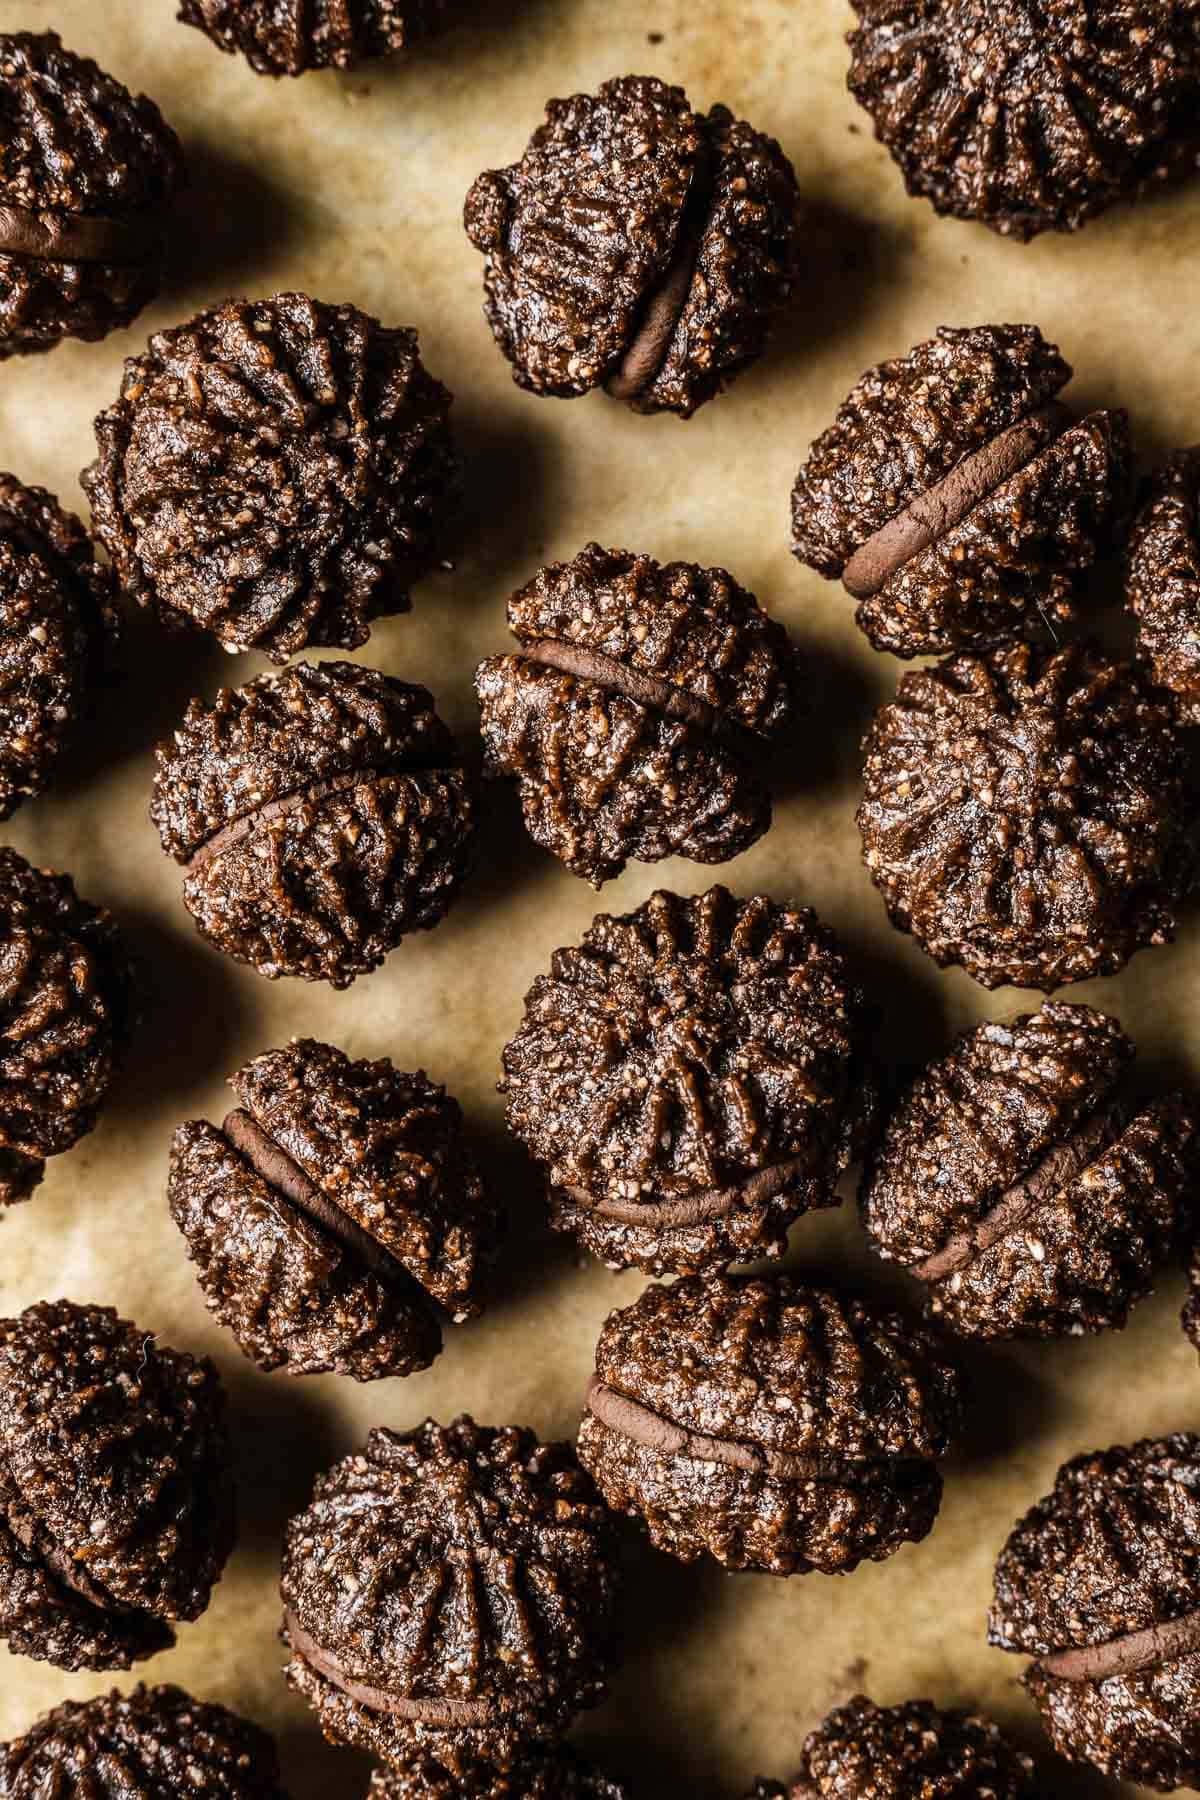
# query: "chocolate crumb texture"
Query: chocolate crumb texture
{"points": [[320, 815], [630, 715], [637, 245], [116, 1499], [1163, 579], [901, 1752], [1100, 1583], [1031, 116], [152, 1744], [960, 502], [770, 1424], [693, 1077], [67, 1006], [554, 1774], [1026, 814], [279, 37], [481, 1566], [88, 176], [1029, 1194], [337, 1216], [278, 472]]}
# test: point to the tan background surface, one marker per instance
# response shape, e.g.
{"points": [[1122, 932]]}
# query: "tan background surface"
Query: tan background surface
{"points": [[350, 186]]}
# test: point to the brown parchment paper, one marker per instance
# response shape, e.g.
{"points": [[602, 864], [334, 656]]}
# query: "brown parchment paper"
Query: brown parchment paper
{"points": [[351, 187]]}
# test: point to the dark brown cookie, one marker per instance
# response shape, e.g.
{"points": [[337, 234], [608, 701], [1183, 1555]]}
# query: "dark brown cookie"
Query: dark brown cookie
{"points": [[774, 1425], [1100, 1581], [449, 1595], [66, 1012], [336, 1214], [288, 37], [693, 1078], [637, 245], [905, 1752], [276, 472], [1025, 814], [88, 173], [1015, 1181], [1034, 115], [320, 815], [116, 1501], [57, 622], [559, 1774], [629, 718], [959, 502], [153, 1744], [1163, 579]]}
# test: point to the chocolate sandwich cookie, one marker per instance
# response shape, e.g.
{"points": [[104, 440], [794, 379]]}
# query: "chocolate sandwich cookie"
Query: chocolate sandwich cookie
{"points": [[1034, 115], [449, 1596], [902, 1752], [88, 173], [771, 1424], [1163, 580], [153, 1744], [555, 1774], [277, 472], [959, 501], [693, 1078], [67, 1008], [116, 1501], [637, 246], [336, 1215], [1100, 1582], [289, 39], [1031, 1196], [632, 714], [1026, 814], [320, 816]]}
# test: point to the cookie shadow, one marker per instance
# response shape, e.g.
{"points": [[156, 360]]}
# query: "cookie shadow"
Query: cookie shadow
{"points": [[852, 263], [908, 1019], [511, 501], [1008, 1401], [1053, 1774], [231, 225], [533, 1259], [505, 860], [315, 1770], [836, 704], [284, 1432]]}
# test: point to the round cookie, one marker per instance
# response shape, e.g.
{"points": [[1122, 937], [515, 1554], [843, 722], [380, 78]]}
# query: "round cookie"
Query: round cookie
{"points": [[1025, 814], [292, 39], [1163, 580], [901, 1752], [632, 712], [693, 1078], [556, 1774], [277, 472], [1017, 1183], [773, 1425], [485, 1588], [88, 174], [320, 816], [958, 500], [637, 246]]}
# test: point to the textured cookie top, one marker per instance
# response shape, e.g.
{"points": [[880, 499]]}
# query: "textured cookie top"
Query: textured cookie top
{"points": [[115, 1446], [1163, 584], [274, 471], [1113, 1549], [75, 140], [695, 629], [1024, 813], [456, 1564], [1031, 115], [288, 39], [282, 735], [689, 1043], [907, 422], [42, 545], [557, 1775], [900, 1752], [984, 1116], [388, 1148], [782, 1366], [152, 1744]]}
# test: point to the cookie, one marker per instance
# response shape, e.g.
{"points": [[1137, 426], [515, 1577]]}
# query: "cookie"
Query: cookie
{"points": [[901, 1752], [1163, 580]]}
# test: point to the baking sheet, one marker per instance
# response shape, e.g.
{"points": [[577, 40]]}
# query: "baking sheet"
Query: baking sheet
{"points": [[351, 186]]}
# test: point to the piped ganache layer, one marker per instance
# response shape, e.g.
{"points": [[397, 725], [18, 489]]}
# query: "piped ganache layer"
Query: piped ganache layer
{"points": [[693, 1078], [770, 1424], [449, 1594], [957, 499], [320, 815], [1022, 1188], [335, 1215], [637, 245], [1100, 1582], [630, 715]]}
